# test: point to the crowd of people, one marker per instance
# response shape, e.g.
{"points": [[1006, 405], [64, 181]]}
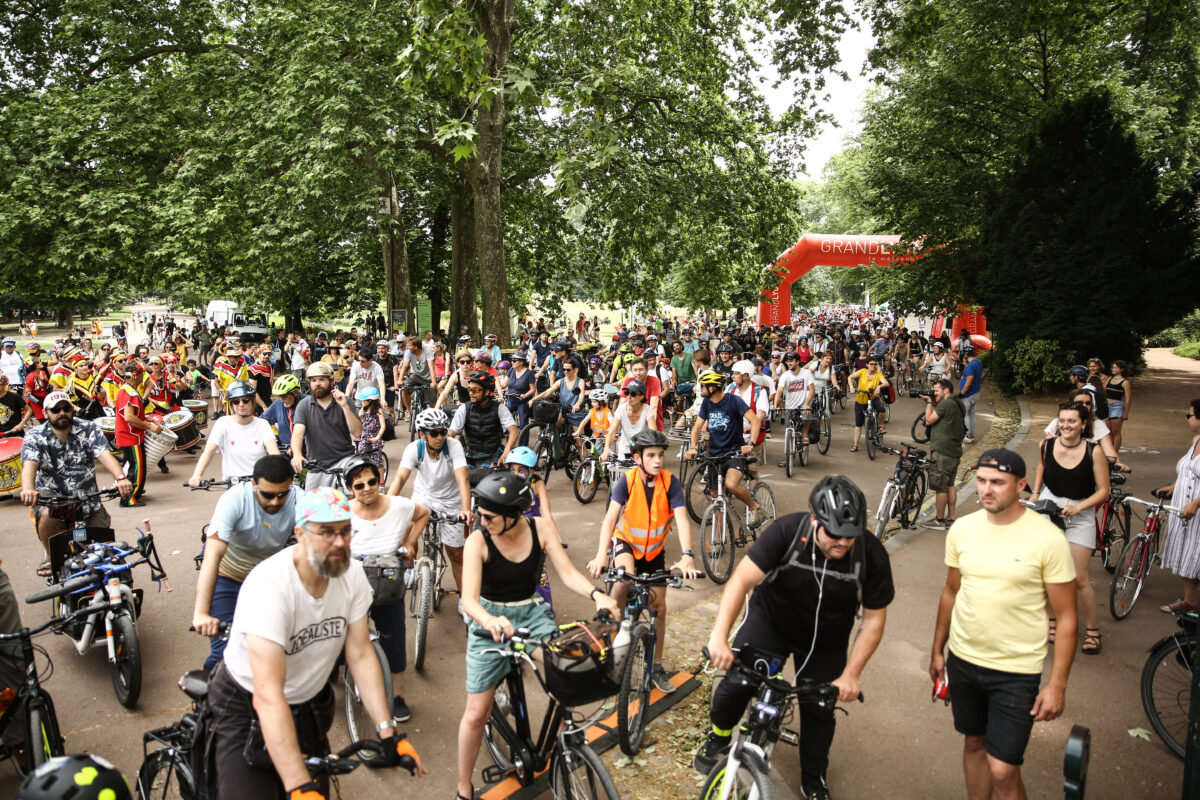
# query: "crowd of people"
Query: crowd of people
{"points": [[282, 570]]}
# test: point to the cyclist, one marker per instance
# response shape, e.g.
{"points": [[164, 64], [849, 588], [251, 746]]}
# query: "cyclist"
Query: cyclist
{"points": [[810, 572], [251, 522], [868, 383], [457, 382], [632, 417], [501, 570], [796, 388], [719, 415], [381, 525], [640, 520], [521, 461], [241, 437], [269, 700], [484, 423], [756, 397], [333, 423], [599, 419], [519, 385], [937, 362], [441, 484], [724, 365], [281, 412]]}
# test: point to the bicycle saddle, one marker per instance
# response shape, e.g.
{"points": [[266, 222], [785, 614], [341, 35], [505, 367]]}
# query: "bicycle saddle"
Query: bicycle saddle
{"points": [[195, 684]]}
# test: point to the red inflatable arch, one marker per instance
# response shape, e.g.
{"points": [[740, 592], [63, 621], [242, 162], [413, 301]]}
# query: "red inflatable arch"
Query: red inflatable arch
{"points": [[819, 250]]}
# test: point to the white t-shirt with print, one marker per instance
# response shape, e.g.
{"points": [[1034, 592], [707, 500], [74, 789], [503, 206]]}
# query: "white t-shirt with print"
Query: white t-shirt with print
{"points": [[241, 446], [795, 387], [435, 486], [274, 605]]}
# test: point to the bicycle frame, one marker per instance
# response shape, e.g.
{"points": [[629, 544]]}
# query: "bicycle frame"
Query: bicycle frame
{"points": [[31, 696]]}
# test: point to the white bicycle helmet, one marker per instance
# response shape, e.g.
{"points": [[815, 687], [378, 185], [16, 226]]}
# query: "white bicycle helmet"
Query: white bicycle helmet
{"points": [[598, 396], [432, 419]]}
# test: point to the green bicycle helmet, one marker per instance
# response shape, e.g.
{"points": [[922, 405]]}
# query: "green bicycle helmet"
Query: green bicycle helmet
{"points": [[285, 384]]}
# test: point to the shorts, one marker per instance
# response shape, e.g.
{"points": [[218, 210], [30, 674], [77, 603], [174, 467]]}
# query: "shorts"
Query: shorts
{"points": [[100, 519], [860, 411], [993, 704], [1116, 409], [1081, 528], [485, 670], [942, 471], [642, 566]]}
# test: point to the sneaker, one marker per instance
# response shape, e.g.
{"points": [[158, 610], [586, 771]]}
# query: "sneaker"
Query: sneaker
{"points": [[400, 710], [710, 752], [936, 523], [819, 793], [660, 680], [753, 518], [1179, 605], [968, 440]]}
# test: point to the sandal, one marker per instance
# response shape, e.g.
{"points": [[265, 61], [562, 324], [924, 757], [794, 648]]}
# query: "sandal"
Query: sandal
{"points": [[459, 795], [854, 449], [1053, 628], [1091, 642], [43, 569]]}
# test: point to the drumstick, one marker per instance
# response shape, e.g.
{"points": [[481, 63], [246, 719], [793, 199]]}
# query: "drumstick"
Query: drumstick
{"points": [[165, 582]]}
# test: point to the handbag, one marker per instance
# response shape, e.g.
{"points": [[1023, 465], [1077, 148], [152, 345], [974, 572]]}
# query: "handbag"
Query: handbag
{"points": [[386, 576]]}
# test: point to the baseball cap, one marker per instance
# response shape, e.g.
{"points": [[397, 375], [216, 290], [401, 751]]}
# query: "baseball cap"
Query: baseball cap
{"points": [[635, 387], [325, 504], [54, 398], [1003, 460]]}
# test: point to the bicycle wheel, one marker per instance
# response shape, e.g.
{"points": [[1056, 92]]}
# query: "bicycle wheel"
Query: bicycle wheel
{"points": [[749, 780], [912, 498], [696, 492], [717, 546], [1132, 565], [633, 701], [424, 592], [1167, 689], [871, 433], [545, 460], [1116, 534], [126, 668], [166, 775], [571, 458], [359, 724], [826, 432], [505, 754], [764, 497], [920, 431], [802, 451], [887, 411], [886, 510], [383, 469], [586, 480], [43, 739], [789, 449], [842, 400], [576, 773]]}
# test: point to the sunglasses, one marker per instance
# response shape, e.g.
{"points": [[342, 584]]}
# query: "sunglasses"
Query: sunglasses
{"points": [[368, 484], [1189, 415], [63, 410], [238, 400], [486, 517], [271, 495], [438, 432], [634, 394]]}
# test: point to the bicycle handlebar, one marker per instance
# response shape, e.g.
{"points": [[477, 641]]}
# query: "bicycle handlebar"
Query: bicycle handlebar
{"points": [[672, 580], [86, 611], [225, 483], [58, 500], [1161, 505], [348, 758], [805, 689], [92, 578]]}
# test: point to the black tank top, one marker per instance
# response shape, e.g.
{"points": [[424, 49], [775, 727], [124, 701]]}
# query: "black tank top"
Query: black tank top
{"points": [[504, 581], [1075, 483], [1115, 391]]}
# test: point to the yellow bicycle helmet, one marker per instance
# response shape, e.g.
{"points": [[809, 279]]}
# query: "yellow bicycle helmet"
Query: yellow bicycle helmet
{"points": [[710, 377]]}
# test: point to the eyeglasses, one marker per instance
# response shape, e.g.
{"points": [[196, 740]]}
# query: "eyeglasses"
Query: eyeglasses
{"points": [[329, 536], [634, 394], [272, 495], [438, 432], [369, 483], [1074, 405]]}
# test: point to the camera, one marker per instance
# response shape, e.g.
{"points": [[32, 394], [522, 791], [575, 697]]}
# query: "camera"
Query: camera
{"points": [[923, 393]]}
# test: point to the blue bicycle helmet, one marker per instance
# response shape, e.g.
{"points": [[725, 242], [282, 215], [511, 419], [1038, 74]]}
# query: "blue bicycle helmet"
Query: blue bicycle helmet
{"points": [[523, 456], [367, 393]]}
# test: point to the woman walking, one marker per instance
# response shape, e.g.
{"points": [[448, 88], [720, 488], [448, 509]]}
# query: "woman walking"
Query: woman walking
{"points": [[1181, 554]]}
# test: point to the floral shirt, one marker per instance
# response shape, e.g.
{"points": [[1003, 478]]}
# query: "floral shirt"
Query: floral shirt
{"points": [[67, 469]]}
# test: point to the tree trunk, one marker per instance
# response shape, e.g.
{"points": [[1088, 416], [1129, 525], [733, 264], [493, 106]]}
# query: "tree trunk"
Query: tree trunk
{"points": [[439, 233], [395, 264], [496, 20], [292, 320], [463, 278]]}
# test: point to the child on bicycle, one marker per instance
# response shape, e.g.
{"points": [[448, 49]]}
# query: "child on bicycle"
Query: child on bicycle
{"points": [[521, 461], [599, 419], [644, 502]]}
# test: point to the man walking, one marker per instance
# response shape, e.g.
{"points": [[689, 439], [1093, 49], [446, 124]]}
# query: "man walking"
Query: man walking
{"points": [[969, 387], [944, 416], [994, 621]]}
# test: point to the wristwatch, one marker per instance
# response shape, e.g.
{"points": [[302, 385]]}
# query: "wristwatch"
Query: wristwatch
{"points": [[391, 723], [592, 593]]}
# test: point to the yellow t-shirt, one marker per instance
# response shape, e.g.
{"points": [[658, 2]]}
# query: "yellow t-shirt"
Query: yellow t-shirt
{"points": [[1000, 618], [865, 385]]}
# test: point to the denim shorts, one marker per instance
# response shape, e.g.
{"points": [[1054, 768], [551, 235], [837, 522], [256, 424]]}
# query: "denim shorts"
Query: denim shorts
{"points": [[1116, 409], [993, 704]]}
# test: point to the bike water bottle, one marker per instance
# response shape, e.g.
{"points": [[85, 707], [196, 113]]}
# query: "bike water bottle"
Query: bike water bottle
{"points": [[621, 645]]}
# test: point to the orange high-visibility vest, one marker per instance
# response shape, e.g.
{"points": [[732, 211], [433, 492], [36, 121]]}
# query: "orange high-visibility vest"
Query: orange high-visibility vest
{"points": [[642, 527]]}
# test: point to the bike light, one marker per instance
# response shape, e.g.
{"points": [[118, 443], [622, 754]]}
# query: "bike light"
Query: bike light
{"points": [[766, 709]]}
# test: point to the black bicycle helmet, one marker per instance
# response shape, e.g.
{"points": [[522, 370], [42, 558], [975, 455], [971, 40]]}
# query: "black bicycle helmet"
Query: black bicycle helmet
{"points": [[504, 493], [484, 379], [79, 777], [839, 506], [354, 465], [724, 347], [239, 389], [647, 438]]}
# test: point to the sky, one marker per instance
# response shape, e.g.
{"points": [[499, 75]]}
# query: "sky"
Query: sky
{"points": [[843, 104]]}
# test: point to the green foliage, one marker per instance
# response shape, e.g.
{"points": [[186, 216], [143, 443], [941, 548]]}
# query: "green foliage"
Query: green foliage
{"points": [[1188, 350], [1186, 330], [1033, 366]]}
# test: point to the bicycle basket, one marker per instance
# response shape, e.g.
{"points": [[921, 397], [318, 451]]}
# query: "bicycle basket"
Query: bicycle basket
{"points": [[386, 576], [544, 411], [577, 663]]}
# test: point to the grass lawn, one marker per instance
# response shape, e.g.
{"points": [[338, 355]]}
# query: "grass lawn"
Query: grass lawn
{"points": [[48, 332]]}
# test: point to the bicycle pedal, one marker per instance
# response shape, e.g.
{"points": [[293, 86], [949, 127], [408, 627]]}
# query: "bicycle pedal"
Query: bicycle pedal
{"points": [[791, 737], [495, 774]]}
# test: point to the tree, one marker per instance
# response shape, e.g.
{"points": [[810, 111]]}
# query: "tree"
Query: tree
{"points": [[1080, 248]]}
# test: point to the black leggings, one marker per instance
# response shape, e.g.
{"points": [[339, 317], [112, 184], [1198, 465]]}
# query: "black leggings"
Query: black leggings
{"points": [[816, 724]]}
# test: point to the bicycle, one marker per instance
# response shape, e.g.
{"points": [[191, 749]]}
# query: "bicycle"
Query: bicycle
{"points": [[418, 403], [30, 703], [426, 597], [719, 539], [1136, 557], [1167, 682], [1112, 522], [576, 771], [904, 492], [594, 469], [745, 771], [358, 721], [874, 439], [554, 448], [796, 442], [637, 670]]}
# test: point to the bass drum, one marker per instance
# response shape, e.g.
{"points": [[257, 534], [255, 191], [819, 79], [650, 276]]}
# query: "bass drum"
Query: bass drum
{"points": [[10, 465], [199, 409], [183, 424]]}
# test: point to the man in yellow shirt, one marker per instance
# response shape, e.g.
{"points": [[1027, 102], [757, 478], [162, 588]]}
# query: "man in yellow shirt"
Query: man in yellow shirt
{"points": [[1003, 563]]}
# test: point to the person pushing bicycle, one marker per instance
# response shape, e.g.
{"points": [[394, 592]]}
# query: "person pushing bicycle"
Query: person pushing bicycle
{"points": [[640, 521], [811, 572]]}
